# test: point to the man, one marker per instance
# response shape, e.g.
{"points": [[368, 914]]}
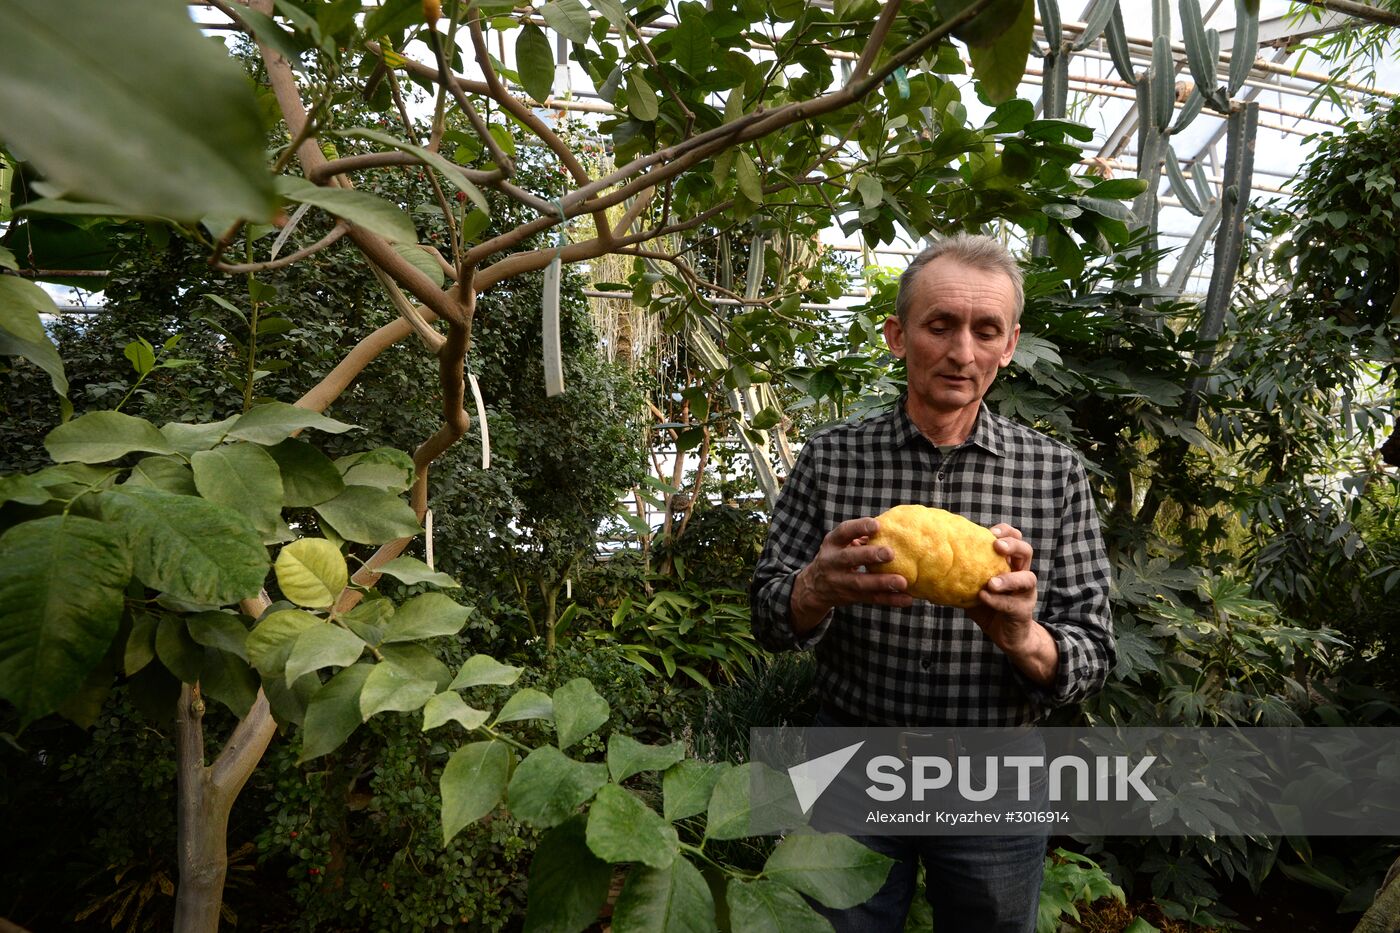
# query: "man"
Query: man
{"points": [[1041, 635]]}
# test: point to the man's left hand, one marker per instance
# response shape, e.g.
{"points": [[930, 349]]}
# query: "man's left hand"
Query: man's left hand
{"points": [[1007, 607]]}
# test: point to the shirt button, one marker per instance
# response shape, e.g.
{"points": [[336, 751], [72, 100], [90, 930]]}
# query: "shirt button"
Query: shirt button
{"points": [[927, 662]]}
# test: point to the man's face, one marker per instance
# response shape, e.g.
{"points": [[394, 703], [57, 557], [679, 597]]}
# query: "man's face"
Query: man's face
{"points": [[958, 335]]}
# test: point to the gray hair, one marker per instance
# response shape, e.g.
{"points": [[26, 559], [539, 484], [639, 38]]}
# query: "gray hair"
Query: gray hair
{"points": [[973, 250]]}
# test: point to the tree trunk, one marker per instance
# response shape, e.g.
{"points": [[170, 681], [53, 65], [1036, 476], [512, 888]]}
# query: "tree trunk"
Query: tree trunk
{"points": [[206, 796], [203, 825]]}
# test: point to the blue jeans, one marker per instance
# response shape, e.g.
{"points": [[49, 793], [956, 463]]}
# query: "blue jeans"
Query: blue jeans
{"points": [[974, 884]]}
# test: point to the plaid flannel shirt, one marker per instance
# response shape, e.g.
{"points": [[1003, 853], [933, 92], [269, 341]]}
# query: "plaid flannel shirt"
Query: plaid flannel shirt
{"points": [[931, 665]]}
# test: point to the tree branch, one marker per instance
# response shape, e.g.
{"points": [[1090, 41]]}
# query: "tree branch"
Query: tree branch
{"points": [[336, 232]]}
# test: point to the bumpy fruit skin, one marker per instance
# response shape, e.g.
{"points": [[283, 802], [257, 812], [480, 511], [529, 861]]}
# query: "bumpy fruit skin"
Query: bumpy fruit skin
{"points": [[946, 558]]}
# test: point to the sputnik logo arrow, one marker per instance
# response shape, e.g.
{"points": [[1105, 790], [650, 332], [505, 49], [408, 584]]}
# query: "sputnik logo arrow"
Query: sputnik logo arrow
{"points": [[811, 778]]}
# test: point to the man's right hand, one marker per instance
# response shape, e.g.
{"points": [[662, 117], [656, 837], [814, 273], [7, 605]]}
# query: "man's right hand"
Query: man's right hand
{"points": [[837, 577]]}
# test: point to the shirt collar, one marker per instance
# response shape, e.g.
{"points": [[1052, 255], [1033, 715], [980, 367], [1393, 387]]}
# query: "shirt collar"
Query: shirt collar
{"points": [[988, 432]]}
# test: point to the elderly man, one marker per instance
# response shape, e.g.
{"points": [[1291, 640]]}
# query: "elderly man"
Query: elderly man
{"points": [[1040, 636]]}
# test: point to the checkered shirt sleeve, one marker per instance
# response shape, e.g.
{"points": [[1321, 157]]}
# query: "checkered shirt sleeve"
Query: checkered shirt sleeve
{"points": [[926, 664]]}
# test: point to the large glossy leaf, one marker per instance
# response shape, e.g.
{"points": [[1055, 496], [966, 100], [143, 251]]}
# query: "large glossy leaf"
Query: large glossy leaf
{"points": [[163, 121], [428, 616], [578, 710], [568, 883], [334, 712], [768, 907], [228, 679], [188, 438], [270, 642], [390, 689], [728, 816], [221, 630], [548, 786], [688, 785], [535, 61], [450, 707], [482, 669], [623, 829], [308, 476], [311, 572], [367, 515], [168, 473], [192, 549], [627, 756], [568, 18], [325, 645], [528, 703], [22, 332], [1000, 65], [365, 210], [244, 478], [472, 784], [181, 654], [834, 869], [100, 436], [674, 899], [271, 422], [411, 570], [61, 583]]}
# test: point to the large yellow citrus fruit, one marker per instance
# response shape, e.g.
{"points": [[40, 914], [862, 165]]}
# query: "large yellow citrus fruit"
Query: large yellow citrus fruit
{"points": [[946, 558]]}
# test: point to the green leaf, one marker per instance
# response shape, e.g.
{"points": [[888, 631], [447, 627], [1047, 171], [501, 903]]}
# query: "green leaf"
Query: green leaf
{"points": [[568, 884], [192, 549], [746, 173], [244, 478], [326, 645], [768, 907], [311, 572], [360, 208], [140, 644], [229, 680], [454, 175], [383, 468], [999, 66], [270, 642], [569, 19], [578, 710], [169, 126], [221, 630], [167, 473], [411, 570], [61, 586], [417, 663], [449, 706], [627, 756], [688, 785], [611, 10], [1118, 188], [428, 616], [308, 476], [333, 713], [833, 869], [472, 784], [548, 787], [675, 899], [141, 354], [188, 438], [535, 62], [271, 422], [728, 816], [389, 689], [367, 515], [481, 669], [528, 703], [100, 436], [22, 331], [180, 654], [623, 829], [23, 489], [418, 258], [641, 99]]}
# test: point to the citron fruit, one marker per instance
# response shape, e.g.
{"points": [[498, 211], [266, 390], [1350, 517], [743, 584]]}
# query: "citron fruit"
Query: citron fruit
{"points": [[946, 558]]}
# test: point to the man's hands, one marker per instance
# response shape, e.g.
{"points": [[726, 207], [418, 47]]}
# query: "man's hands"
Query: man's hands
{"points": [[837, 577], [1007, 610]]}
